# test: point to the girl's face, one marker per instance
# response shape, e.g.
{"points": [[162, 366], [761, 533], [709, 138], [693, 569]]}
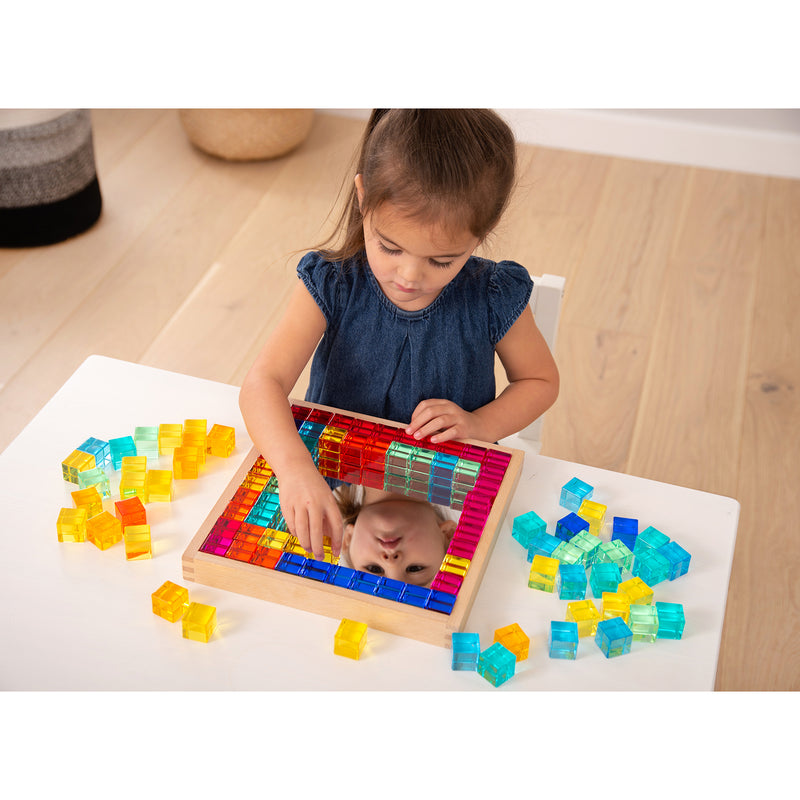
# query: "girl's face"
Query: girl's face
{"points": [[411, 261], [399, 538]]}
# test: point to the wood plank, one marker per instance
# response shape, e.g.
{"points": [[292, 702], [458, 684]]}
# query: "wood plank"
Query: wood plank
{"points": [[761, 638], [688, 425], [217, 333], [609, 313]]}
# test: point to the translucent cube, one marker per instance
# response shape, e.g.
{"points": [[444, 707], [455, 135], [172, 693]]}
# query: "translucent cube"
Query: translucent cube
{"points": [[466, 650], [77, 461], [103, 530], [563, 640], [625, 530], [571, 582], [616, 604], [615, 552], [651, 567], [198, 622], [570, 525], [221, 440], [671, 620], [543, 544], [643, 623], [90, 499], [120, 447], [138, 545], [595, 514], [497, 664], [605, 577], [513, 638], [678, 559], [574, 492], [158, 485], [170, 435], [170, 601], [71, 524], [526, 526], [543, 573], [638, 592], [585, 614], [613, 637], [350, 639], [649, 539], [568, 553], [145, 438], [95, 477], [587, 543]]}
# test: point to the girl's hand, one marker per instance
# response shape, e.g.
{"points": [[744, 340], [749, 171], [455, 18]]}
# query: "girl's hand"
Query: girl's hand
{"points": [[442, 420], [310, 511]]}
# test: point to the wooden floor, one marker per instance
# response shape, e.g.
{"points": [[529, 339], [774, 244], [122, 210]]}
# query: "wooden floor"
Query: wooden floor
{"points": [[678, 347]]}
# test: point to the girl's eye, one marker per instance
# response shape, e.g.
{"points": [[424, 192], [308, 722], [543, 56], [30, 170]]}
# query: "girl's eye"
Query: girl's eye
{"points": [[415, 568], [388, 250], [374, 569], [441, 264]]}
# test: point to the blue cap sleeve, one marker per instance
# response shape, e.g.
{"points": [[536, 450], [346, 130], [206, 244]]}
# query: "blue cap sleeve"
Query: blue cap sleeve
{"points": [[510, 288], [321, 278]]}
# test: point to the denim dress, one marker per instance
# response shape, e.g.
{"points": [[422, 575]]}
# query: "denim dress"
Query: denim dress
{"points": [[376, 359]]}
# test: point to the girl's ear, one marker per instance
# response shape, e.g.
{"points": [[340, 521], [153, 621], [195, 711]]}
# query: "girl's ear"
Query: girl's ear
{"points": [[448, 528], [359, 181], [347, 536]]}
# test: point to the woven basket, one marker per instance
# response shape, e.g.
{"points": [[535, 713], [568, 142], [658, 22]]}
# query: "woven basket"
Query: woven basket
{"points": [[247, 134]]}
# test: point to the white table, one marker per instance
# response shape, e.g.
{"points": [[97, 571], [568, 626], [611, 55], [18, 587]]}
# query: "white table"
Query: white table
{"points": [[81, 618]]}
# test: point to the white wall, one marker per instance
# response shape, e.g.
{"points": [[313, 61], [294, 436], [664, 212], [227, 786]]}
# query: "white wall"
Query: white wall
{"points": [[763, 141]]}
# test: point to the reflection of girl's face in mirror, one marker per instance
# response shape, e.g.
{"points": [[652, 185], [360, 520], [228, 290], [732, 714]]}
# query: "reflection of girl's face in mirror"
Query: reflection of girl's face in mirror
{"points": [[398, 537]]}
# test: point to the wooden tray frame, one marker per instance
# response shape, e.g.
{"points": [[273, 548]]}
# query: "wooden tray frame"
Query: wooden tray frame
{"points": [[432, 627]]}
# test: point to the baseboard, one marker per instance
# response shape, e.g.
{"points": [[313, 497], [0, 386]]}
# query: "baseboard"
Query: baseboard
{"points": [[738, 142]]}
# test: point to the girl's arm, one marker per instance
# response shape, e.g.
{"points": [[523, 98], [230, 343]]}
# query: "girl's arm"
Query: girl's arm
{"points": [[306, 499], [532, 389]]}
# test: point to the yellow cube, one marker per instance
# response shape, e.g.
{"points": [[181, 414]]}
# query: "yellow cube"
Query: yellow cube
{"points": [[195, 434], [638, 592], [133, 479], [585, 613], [513, 638], [199, 621], [138, 544], [158, 485], [350, 639], [169, 437], [616, 604], [90, 499], [593, 513], [77, 461], [186, 462], [170, 601], [221, 440], [543, 573], [71, 524], [104, 530]]}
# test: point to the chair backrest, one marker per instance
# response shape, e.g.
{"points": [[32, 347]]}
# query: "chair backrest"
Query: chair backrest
{"points": [[548, 292]]}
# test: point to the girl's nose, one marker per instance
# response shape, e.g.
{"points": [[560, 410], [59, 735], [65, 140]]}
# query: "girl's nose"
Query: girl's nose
{"points": [[393, 556]]}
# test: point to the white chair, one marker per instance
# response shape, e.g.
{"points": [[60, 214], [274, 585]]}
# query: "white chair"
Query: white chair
{"points": [[548, 292]]}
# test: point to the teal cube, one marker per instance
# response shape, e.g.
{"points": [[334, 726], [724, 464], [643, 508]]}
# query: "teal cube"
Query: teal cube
{"points": [[466, 651], [497, 664], [649, 539], [671, 620], [613, 637], [605, 577], [543, 544], [571, 582], [526, 526], [563, 640], [574, 492], [651, 567], [121, 447], [99, 449], [678, 557]]}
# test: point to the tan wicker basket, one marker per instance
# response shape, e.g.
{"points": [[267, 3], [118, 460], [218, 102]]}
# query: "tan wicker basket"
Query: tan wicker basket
{"points": [[247, 134]]}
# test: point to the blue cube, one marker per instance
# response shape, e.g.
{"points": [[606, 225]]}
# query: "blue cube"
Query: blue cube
{"points": [[563, 640], [526, 526], [99, 449], [571, 582], [613, 637], [497, 664], [671, 620], [626, 529], [466, 650], [574, 492], [649, 539], [341, 576], [570, 525], [605, 577], [543, 544], [651, 567], [678, 559], [440, 601]]}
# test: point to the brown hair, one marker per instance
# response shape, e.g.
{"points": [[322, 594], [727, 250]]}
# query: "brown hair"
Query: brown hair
{"points": [[455, 167]]}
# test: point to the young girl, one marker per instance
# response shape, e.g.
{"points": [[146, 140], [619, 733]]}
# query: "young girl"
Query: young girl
{"points": [[390, 534], [404, 319]]}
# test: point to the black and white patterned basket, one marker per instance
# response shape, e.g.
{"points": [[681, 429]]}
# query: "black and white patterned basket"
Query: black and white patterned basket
{"points": [[48, 180]]}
